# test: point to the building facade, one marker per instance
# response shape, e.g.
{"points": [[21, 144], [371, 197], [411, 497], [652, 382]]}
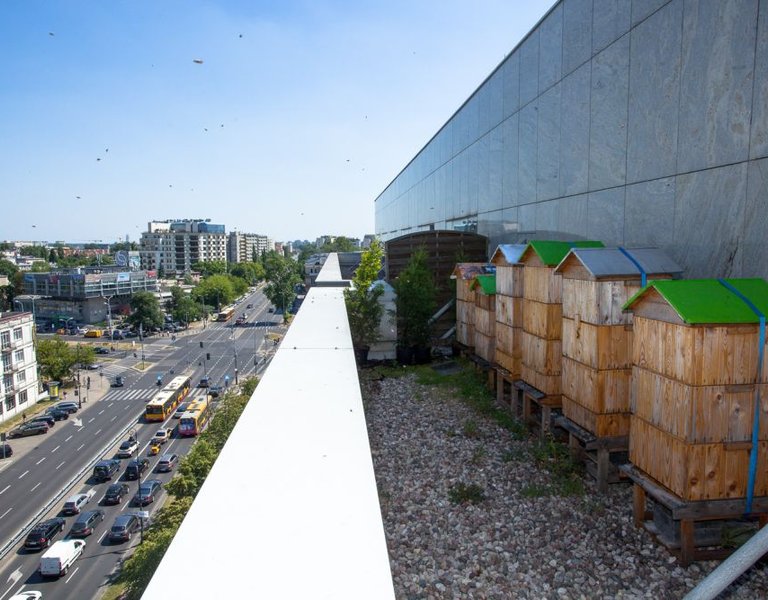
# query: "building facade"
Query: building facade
{"points": [[635, 123], [243, 247], [172, 247], [18, 364], [86, 294]]}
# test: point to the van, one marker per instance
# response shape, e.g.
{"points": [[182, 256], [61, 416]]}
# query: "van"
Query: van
{"points": [[104, 469], [93, 333], [59, 557]]}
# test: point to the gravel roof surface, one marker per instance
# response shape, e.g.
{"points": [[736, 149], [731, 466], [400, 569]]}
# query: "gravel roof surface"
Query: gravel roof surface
{"points": [[513, 544]]}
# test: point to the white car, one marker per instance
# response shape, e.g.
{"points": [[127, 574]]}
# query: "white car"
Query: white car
{"points": [[128, 448], [28, 595], [162, 436], [74, 503]]}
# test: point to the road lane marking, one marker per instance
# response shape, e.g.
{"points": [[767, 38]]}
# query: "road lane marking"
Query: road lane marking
{"points": [[97, 433], [110, 405], [22, 475], [80, 447], [4, 489], [54, 450], [6, 512], [92, 419], [37, 486], [127, 407], [73, 574], [69, 438], [101, 538], [61, 464], [41, 460], [113, 418], [101, 411]]}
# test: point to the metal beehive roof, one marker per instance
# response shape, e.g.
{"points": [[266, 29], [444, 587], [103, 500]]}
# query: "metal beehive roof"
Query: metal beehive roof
{"points": [[508, 253], [612, 262]]}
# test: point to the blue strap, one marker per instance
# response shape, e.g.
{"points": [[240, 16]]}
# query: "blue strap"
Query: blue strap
{"points": [[643, 274], [756, 415]]}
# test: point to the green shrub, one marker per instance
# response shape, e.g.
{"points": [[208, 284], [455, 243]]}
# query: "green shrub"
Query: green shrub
{"points": [[463, 493]]}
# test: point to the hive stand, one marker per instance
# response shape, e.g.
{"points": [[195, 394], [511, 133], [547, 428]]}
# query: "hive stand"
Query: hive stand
{"points": [[601, 455], [534, 408], [689, 530]]}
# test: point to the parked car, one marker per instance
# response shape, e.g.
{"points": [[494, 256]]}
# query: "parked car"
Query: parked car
{"points": [[6, 451], [49, 420], [92, 333], [86, 523], [162, 435], [41, 535], [104, 469], [118, 382], [128, 448], [249, 305], [136, 467], [28, 429], [181, 410], [167, 462], [75, 503], [148, 492], [70, 407], [58, 413], [94, 366], [117, 335], [115, 493], [123, 527]]}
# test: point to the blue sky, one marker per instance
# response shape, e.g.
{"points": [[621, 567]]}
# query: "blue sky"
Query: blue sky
{"points": [[298, 117]]}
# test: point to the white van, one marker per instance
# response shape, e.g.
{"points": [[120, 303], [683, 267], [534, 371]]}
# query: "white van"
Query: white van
{"points": [[59, 557]]}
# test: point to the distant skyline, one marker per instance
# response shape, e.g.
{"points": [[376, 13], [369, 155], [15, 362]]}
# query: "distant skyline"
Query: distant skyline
{"points": [[285, 119]]}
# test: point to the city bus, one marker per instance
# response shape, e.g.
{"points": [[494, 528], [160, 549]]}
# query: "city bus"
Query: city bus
{"points": [[167, 399], [226, 314], [193, 421]]}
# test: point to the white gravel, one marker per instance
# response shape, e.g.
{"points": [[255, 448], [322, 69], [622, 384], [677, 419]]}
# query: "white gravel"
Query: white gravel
{"points": [[508, 546]]}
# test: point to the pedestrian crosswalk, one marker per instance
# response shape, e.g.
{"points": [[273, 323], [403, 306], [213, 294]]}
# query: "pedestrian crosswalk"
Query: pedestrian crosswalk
{"points": [[118, 395]]}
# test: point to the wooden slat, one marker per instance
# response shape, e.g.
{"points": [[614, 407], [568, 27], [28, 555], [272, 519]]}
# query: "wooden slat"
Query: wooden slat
{"points": [[485, 346], [598, 302], [484, 321], [601, 425], [543, 320], [509, 310], [601, 391], [542, 284], [544, 356], [548, 384], [600, 347], [509, 280]]}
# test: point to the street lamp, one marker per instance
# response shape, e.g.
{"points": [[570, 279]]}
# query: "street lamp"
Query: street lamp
{"points": [[109, 314]]}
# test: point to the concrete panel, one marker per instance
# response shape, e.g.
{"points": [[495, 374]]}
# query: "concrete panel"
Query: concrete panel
{"points": [[716, 82], [495, 87], [654, 93], [526, 215], [495, 160], [551, 49], [547, 215], [759, 136], [605, 216], [529, 68], [572, 215], [709, 220], [641, 10], [490, 224], [481, 162], [610, 20], [650, 213], [608, 116], [510, 221], [511, 84], [574, 131], [509, 164], [474, 170], [577, 33], [526, 182], [756, 223], [548, 145]]}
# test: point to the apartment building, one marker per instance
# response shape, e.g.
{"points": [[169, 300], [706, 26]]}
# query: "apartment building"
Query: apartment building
{"points": [[172, 247], [18, 364], [243, 247]]}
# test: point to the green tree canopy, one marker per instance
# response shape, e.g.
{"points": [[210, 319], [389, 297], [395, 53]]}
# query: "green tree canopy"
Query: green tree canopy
{"points": [[339, 244], [282, 277], [8, 268], [216, 290], [145, 311], [250, 272], [57, 359], [416, 301], [211, 267], [363, 308]]}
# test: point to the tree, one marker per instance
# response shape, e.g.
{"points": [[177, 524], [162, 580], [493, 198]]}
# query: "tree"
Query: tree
{"points": [[145, 311], [7, 268], [339, 244], [362, 300], [282, 276], [41, 267], [186, 310], [416, 302], [216, 290], [55, 358], [250, 272], [211, 267]]}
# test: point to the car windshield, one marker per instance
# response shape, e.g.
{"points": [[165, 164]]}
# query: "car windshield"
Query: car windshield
{"points": [[114, 488], [126, 445]]}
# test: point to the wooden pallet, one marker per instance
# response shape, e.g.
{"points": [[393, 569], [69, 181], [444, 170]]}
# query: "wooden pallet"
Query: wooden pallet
{"points": [[535, 408], [601, 455], [506, 393], [686, 529]]}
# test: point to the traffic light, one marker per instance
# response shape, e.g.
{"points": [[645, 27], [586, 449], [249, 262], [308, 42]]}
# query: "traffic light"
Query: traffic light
{"points": [[201, 344], [207, 356]]}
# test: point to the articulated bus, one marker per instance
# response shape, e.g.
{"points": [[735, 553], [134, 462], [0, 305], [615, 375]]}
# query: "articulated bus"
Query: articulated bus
{"points": [[167, 399], [226, 314], [193, 421]]}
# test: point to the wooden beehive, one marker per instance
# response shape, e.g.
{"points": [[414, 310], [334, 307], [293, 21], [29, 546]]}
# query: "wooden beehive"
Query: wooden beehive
{"points": [[695, 384], [464, 274], [597, 333], [509, 308], [484, 318], [541, 361]]}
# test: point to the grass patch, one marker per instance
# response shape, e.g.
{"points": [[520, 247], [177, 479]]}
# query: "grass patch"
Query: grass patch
{"points": [[470, 429], [556, 458], [478, 456], [463, 493], [536, 490]]}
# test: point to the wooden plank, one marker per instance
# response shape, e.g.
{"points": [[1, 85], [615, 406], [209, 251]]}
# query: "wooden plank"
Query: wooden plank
{"points": [[598, 302], [612, 425], [543, 320], [548, 384], [599, 346], [544, 356], [509, 280], [484, 321], [601, 391], [485, 346], [541, 283], [509, 310]]}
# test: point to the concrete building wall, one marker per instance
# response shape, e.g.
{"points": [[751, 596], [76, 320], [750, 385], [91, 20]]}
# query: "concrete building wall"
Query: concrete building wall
{"points": [[18, 365], [636, 122]]}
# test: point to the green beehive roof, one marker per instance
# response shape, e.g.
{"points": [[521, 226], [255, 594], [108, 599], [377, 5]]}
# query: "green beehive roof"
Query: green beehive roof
{"points": [[707, 301], [487, 284], [551, 253]]}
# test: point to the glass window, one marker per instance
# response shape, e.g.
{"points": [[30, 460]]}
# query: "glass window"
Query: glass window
{"points": [[6, 362], [22, 396], [10, 402], [21, 376], [17, 333], [18, 356], [5, 339]]}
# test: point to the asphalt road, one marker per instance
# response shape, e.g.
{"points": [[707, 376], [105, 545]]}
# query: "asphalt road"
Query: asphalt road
{"points": [[43, 465]]}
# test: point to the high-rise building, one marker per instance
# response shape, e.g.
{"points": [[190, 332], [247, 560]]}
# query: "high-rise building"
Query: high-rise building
{"points": [[18, 364], [242, 247], [173, 246]]}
